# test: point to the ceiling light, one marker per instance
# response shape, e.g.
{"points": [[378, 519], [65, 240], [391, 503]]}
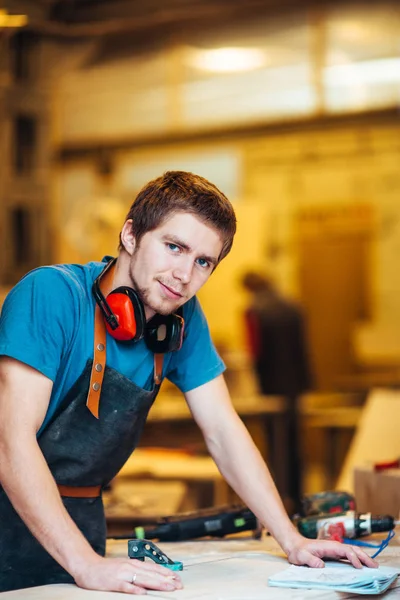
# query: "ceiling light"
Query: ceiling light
{"points": [[380, 71], [7, 20], [226, 60]]}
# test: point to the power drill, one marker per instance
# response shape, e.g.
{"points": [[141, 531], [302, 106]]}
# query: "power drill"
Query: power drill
{"points": [[331, 501], [348, 524], [215, 522]]}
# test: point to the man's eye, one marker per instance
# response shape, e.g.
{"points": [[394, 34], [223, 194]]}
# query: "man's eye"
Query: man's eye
{"points": [[203, 262], [173, 247]]}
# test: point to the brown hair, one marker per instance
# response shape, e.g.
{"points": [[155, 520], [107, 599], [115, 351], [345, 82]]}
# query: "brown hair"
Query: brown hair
{"points": [[181, 191], [255, 281]]}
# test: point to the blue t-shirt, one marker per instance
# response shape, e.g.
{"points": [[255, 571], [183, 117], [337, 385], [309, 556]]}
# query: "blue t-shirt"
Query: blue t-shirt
{"points": [[47, 322]]}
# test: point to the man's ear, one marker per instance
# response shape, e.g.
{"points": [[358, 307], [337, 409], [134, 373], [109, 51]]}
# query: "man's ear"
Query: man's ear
{"points": [[128, 240]]}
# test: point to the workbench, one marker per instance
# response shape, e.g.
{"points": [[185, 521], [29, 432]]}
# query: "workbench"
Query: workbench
{"points": [[170, 417], [171, 422], [234, 569]]}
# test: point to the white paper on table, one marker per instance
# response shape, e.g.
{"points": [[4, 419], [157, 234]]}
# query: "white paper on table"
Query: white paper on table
{"points": [[339, 577]]}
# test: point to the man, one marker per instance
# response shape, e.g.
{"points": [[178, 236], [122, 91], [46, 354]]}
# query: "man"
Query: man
{"points": [[277, 344], [60, 444], [276, 338]]}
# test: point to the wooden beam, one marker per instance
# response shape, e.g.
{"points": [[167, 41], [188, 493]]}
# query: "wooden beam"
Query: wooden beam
{"points": [[91, 149]]}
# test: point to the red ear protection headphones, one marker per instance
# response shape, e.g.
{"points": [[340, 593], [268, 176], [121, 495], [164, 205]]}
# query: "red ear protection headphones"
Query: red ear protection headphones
{"points": [[125, 318]]}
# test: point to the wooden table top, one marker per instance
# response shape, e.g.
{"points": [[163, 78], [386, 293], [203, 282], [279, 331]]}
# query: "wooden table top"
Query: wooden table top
{"points": [[231, 569]]}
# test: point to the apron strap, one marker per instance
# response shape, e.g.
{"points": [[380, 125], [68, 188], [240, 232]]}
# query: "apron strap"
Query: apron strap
{"points": [[89, 491], [99, 363], [158, 365], [99, 352]]}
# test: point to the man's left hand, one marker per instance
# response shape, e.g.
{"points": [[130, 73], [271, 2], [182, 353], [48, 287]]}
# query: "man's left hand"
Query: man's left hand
{"points": [[311, 552]]}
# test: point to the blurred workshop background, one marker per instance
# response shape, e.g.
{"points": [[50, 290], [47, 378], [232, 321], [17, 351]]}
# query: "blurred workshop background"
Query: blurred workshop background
{"points": [[292, 109]]}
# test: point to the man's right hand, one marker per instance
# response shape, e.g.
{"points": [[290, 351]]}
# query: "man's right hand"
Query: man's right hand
{"points": [[127, 575]]}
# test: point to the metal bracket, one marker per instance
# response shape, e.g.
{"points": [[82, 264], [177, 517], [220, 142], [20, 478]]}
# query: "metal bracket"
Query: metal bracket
{"points": [[140, 549]]}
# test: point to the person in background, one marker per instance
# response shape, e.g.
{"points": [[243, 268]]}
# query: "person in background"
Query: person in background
{"points": [[276, 339], [83, 351]]}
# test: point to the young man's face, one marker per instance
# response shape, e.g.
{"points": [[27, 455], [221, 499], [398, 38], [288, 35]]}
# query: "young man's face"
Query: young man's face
{"points": [[173, 261]]}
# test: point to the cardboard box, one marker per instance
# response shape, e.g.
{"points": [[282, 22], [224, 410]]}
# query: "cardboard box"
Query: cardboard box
{"points": [[377, 492]]}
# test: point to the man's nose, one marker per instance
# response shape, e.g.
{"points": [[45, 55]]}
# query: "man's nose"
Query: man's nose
{"points": [[183, 271]]}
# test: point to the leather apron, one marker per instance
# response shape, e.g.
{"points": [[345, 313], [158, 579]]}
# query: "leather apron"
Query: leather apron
{"points": [[80, 450]]}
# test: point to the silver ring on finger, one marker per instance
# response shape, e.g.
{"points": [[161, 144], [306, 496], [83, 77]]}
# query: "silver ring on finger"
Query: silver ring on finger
{"points": [[134, 578]]}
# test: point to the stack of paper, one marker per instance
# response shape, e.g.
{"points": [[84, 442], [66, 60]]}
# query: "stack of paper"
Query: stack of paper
{"points": [[339, 577]]}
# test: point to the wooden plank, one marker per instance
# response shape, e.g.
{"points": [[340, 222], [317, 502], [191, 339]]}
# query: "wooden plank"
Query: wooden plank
{"points": [[377, 435]]}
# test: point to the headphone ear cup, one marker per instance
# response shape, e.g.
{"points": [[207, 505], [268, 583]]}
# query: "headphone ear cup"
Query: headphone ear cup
{"points": [[164, 333], [178, 327], [129, 312]]}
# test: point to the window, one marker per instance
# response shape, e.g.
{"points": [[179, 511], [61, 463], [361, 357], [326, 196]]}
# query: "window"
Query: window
{"points": [[24, 55], [25, 134], [21, 228]]}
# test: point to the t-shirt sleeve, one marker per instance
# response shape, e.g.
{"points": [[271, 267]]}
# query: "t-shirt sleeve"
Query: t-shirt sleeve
{"points": [[37, 322], [197, 362]]}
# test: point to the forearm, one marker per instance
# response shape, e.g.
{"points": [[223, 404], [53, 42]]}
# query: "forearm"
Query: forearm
{"points": [[244, 469], [31, 489]]}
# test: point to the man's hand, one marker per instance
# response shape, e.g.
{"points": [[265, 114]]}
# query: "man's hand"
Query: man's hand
{"points": [[311, 552], [126, 575]]}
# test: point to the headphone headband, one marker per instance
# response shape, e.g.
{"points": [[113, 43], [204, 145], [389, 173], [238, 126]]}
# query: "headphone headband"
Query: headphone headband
{"points": [[108, 314]]}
